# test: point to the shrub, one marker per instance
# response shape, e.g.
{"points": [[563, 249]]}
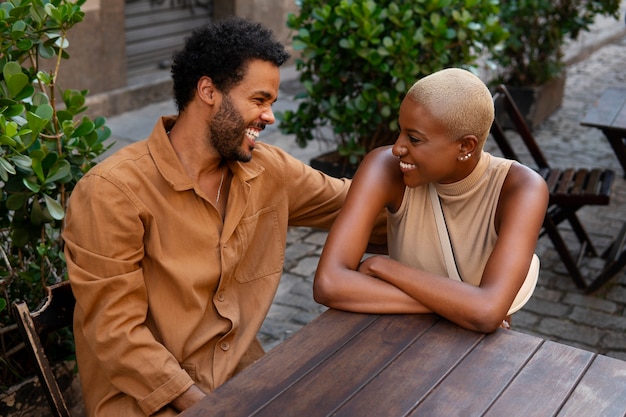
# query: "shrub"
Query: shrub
{"points": [[533, 52], [358, 58], [45, 148]]}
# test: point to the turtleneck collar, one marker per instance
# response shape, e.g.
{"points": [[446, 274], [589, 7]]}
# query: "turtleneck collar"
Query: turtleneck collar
{"points": [[467, 183]]}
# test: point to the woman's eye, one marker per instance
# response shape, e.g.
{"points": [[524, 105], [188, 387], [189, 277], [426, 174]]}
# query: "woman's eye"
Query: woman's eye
{"points": [[414, 139]]}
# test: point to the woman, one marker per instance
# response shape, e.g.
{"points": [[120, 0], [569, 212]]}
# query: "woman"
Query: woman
{"points": [[493, 210]]}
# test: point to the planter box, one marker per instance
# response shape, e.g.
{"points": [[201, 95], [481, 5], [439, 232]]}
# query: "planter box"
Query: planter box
{"points": [[536, 103], [333, 164]]}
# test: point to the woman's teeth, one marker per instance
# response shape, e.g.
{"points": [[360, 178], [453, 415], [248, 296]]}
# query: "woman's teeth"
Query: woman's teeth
{"points": [[404, 165]]}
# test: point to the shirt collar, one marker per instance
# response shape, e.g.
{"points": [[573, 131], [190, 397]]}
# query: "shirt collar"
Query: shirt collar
{"points": [[170, 167]]}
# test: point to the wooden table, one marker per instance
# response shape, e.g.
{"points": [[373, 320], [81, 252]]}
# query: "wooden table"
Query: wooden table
{"points": [[359, 365], [609, 115]]}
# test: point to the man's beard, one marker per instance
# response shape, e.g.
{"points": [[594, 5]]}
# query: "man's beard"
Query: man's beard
{"points": [[227, 132]]}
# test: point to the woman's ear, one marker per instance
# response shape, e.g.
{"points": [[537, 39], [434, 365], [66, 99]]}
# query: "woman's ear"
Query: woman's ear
{"points": [[469, 144]]}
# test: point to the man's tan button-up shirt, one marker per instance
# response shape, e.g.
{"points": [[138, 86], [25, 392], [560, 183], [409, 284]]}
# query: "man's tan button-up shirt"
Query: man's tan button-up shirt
{"points": [[168, 295]]}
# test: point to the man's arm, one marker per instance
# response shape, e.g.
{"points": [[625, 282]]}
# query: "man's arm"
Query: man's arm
{"points": [[104, 251]]}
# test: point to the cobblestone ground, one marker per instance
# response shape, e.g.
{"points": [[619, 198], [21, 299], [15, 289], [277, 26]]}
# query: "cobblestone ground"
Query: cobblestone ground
{"points": [[558, 310]]}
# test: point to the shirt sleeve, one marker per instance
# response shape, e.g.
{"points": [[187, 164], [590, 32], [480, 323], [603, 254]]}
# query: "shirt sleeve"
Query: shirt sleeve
{"points": [[315, 198], [104, 235]]}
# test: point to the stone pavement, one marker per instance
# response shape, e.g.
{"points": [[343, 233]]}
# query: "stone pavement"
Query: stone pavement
{"points": [[558, 310]]}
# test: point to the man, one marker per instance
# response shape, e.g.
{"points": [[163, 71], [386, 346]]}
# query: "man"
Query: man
{"points": [[175, 245]]}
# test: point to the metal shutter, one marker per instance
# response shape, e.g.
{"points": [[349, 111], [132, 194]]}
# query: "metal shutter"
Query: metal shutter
{"points": [[156, 28]]}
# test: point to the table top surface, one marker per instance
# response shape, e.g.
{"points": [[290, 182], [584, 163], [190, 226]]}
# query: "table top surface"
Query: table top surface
{"points": [[347, 364], [609, 111]]}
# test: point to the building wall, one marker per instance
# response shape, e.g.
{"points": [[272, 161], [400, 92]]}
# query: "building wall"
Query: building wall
{"points": [[271, 13], [98, 54], [96, 48]]}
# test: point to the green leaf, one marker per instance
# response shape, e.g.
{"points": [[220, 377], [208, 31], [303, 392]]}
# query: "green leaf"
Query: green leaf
{"points": [[22, 161], [45, 111], [55, 209], [4, 175], [37, 214], [6, 165], [29, 182], [5, 140], [45, 51], [44, 77], [35, 122], [3, 304], [16, 201], [37, 168], [60, 172], [85, 127], [14, 78], [25, 44], [14, 110], [10, 129]]}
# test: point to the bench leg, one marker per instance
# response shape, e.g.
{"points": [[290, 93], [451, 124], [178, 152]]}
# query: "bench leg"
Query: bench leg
{"points": [[563, 251], [616, 260], [587, 248]]}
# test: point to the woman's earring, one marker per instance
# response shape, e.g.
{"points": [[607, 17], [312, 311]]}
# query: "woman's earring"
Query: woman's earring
{"points": [[464, 157]]}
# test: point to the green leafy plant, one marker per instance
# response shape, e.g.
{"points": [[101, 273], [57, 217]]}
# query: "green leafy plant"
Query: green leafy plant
{"points": [[538, 29], [358, 58], [45, 148]]}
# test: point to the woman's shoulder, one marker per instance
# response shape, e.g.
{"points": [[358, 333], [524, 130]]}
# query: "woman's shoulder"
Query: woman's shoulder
{"points": [[380, 161], [521, 178]]}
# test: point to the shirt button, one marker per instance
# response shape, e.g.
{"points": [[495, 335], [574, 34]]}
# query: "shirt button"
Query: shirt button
{"points": [[225, 345], [220, 296]]}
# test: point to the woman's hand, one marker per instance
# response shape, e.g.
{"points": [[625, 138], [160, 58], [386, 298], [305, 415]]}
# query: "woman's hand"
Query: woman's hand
{"points": [[365, 267]]}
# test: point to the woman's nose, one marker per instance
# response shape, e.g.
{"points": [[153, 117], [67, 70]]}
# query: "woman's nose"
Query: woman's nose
{"points": [[398, 148]]}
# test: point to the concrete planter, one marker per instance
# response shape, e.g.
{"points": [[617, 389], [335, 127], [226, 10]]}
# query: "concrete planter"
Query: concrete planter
{"points": [[333, 164], [536, 103]]}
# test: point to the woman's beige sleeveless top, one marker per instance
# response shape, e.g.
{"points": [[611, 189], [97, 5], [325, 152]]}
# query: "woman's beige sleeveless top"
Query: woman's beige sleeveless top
{"points": [[469, 207]]}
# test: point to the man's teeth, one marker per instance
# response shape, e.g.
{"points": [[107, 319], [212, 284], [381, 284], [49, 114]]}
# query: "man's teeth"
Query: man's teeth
{"points": [[252, 133], [404, 165]]}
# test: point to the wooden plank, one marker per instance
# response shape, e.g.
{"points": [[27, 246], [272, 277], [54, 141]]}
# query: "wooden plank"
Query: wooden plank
{"points": [[341, 375], [545, 383], [592, 183], [553, 180], [601, 392], [384, 396], [284, 365], [579, 181], [478, 380], [620, 119], [605, 109], [565, 181]]}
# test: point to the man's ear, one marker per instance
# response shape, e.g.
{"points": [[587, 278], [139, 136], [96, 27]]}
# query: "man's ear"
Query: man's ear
{"points": [[206, 90]]}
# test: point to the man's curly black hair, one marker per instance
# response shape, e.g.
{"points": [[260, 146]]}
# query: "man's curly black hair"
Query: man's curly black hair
{"points": [[222, 51]]}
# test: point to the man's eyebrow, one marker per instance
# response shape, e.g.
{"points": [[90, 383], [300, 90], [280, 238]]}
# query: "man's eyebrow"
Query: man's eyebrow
{"points": [[266, 95]]}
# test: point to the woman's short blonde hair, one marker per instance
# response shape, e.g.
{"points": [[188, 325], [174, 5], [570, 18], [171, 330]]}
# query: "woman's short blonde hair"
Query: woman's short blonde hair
{"points": [[459, 99]]}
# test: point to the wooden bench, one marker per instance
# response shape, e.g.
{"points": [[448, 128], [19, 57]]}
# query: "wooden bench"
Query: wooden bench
{"points": [[570, 190], [56, 313]]}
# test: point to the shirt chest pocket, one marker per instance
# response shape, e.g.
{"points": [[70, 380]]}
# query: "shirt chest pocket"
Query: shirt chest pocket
{"points": [[262, 249]]}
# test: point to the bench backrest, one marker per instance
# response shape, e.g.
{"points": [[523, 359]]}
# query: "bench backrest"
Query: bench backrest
{"points": [[56, 313]]}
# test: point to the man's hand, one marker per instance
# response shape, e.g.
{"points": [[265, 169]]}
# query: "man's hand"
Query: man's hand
{"points": [[188, 398]]}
